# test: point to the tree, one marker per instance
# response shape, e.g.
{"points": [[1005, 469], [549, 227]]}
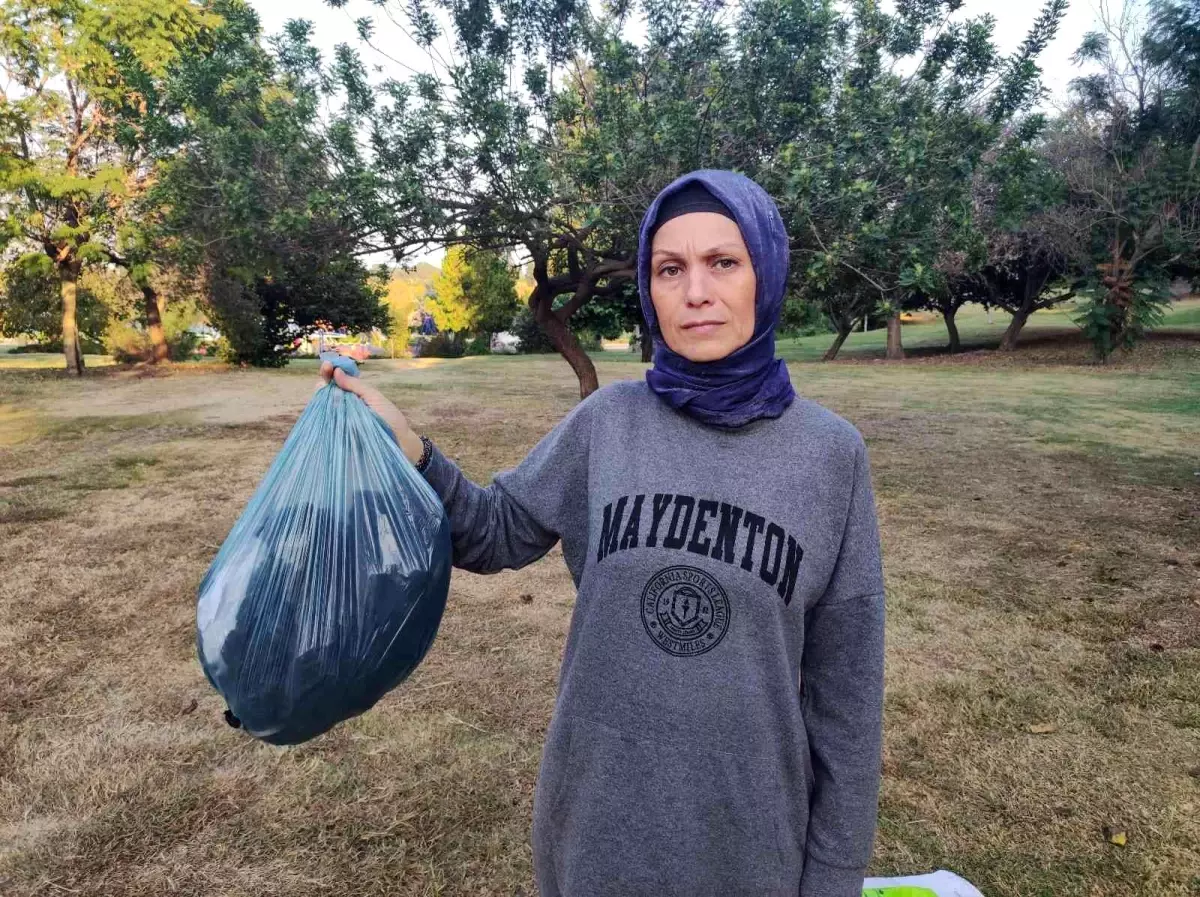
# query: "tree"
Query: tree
{"points": [[31, 305], [490, 289], [543, 134], [75, 71], [877, 190], [403, 295], [620, 314], [954, 283], [264, 198], [475, 292], [872, 169], [1023, 242], [1131, 144], [448, 302]]}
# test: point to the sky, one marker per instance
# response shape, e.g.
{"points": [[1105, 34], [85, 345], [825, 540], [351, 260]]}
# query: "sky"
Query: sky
{"points": [[400, 56]]}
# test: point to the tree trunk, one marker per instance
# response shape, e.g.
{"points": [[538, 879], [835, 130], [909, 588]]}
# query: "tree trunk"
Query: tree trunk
{"points": [[1009, 341], [832, 351], [72, 351], [895, 348], [564, 341], [647, 345], [158, 337], [952, 328]]}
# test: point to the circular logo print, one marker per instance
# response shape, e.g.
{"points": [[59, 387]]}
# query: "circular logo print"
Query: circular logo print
{"points": [[685, 611]]}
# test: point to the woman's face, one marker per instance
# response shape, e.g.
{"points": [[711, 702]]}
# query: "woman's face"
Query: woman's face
{"points": [[702, 285]]}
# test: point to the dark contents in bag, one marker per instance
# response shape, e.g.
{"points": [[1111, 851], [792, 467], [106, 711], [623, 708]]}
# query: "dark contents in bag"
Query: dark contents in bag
{"points": [[293, 666]]}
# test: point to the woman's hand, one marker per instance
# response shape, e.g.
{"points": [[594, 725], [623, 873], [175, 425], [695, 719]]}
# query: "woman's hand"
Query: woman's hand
{"points": [[410, 442]]}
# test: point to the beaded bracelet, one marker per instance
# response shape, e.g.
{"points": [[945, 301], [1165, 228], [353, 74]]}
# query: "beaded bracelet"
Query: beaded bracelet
{"points": [[426, 454]]}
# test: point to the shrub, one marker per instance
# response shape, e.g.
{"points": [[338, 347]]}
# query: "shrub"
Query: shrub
{"points": [[533, 340], [183, 347], [589, 341], [480, 345], [54, 347], [803, 318], [1116, 317], [440, 345], [129, 342]]}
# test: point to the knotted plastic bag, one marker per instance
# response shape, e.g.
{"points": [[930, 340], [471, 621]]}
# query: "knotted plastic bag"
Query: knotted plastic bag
{"points": [[330, 587]]}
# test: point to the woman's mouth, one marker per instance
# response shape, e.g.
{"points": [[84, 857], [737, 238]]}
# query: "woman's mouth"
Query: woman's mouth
{"points": [[702, 327]]}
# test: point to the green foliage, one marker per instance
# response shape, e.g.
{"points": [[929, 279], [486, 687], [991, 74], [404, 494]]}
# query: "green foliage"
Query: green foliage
{"points": [[610, 317], [30, 304], [879, 191], [873, 170], [403, 295], [896, 139], [265, 204], [448, 303], [802, 317], [1128, 150], [489, 288], [127, 341], [1112, 325], [480, 345], [263, 321], [589, 341], [533, 338], [78, 114], [475, 292], [446, 344]]}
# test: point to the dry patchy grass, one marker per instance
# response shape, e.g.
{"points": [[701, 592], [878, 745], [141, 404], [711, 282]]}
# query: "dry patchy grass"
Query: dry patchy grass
{"points": [[1042, 536]]}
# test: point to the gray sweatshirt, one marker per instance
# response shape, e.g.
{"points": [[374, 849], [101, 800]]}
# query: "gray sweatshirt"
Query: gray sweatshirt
{"points": [[718, 723]]}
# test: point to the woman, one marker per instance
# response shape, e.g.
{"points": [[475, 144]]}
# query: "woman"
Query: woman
{"points": [[718, 722]]}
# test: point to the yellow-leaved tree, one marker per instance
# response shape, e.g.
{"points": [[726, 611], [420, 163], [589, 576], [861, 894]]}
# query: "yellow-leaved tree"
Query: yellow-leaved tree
{"points": [[449, 305], [403, 297]]}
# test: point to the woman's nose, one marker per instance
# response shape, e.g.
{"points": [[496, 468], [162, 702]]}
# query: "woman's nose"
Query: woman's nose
{"points": [[698, 288]]}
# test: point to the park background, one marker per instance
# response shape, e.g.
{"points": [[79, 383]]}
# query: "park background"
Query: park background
{"points": [[994, 211]]}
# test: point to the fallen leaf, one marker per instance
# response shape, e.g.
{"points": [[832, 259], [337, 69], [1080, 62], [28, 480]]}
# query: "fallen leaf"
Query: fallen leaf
{"points": [[1115, 835], [526, 598], [1042, 728], [192, 705]]}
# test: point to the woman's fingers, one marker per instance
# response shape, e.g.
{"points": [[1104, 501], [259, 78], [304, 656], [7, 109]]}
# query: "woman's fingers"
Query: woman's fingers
{"points": [[377, 402], [350, 384], [326, 371]]}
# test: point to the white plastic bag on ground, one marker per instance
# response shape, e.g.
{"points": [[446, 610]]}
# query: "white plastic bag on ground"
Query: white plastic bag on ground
{"points": [[935, 884]]}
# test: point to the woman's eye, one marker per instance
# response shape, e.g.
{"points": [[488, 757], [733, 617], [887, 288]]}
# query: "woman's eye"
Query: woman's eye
{"points": [[669, 270], [726, 263]]}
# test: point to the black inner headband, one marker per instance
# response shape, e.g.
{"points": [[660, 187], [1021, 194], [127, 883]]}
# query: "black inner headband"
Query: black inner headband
{"points": [[695, 197]]}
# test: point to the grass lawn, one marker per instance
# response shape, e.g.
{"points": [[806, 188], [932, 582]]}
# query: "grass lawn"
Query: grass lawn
{"points": [[1041, 529], [1183, 314], [929, 333], [46, 361]]}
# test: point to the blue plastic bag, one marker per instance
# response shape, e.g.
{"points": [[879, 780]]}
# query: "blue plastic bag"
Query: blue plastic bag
{"points": [[330, 587]]}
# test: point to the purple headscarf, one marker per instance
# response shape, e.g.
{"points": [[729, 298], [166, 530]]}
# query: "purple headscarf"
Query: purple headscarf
{"points": [[751, 383]]}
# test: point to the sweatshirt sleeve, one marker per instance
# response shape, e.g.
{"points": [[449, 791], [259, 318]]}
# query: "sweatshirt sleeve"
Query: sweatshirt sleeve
{"points": [[842, 697], [527, 509]]}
